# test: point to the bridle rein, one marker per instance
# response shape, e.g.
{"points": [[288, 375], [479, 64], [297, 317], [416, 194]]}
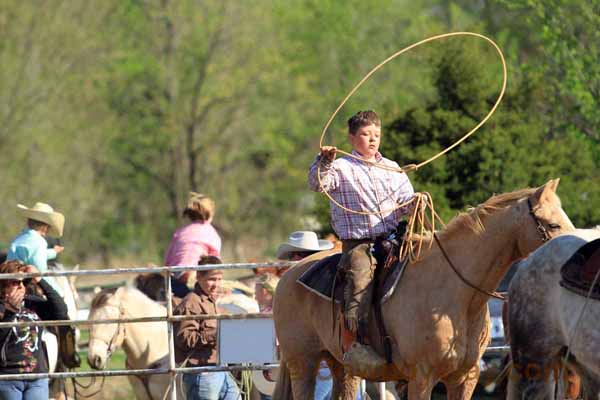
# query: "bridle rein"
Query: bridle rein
{"points": [[109, 353], [110, 350], [539, 226], [541, 229]]}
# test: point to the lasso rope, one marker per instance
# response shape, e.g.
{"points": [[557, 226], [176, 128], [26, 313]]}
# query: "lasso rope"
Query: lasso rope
{"points": [[410, 167], [419, 224]]}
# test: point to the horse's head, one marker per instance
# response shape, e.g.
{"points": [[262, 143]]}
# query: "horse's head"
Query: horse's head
{"points": [[105, 338], [152, 285], [542, 218]]}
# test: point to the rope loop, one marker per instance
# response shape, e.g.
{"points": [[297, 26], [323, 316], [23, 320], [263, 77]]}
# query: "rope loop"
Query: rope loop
{"points": [[409, 167]]}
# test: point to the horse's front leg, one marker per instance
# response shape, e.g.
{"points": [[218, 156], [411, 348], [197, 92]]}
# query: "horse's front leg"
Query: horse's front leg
{"points": [[345, 386], [464, 386], [303, 371], [421, 386]]}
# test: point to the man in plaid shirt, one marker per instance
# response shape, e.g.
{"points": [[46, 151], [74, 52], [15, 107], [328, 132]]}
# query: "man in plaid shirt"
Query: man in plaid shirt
{"points": [[362, 187]]}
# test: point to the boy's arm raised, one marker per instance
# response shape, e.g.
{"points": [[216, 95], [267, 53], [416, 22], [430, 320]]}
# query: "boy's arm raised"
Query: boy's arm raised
{"points": [[329, 178]]}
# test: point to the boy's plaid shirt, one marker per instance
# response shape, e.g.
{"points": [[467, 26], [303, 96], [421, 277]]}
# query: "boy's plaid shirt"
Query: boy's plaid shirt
{"points": [[362, 187]]}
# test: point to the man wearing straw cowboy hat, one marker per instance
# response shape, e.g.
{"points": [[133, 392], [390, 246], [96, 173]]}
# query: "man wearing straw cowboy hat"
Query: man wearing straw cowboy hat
{"points": [[301, 244], [30, 246]]}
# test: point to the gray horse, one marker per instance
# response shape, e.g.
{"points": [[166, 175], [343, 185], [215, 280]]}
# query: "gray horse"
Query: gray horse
{"points": [[543, 317]]}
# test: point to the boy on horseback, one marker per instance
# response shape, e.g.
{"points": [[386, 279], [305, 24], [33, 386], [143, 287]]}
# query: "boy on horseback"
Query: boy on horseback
{"points": [[363, 187]]}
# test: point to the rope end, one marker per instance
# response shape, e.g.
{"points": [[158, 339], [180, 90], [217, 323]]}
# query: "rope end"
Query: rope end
{"points": [[410, 167]]}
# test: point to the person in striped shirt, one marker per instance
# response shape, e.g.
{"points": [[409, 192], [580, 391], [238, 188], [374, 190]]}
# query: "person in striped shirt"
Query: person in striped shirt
{"points": [[363, 187]]}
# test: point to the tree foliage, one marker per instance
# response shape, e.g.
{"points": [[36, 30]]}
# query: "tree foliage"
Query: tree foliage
{"points": [[112, 111], [503, 155]]}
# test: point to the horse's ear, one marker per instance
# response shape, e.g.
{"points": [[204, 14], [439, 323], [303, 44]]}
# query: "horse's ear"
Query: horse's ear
{"points": [[555, 183], [543, 193], [73, 278]]}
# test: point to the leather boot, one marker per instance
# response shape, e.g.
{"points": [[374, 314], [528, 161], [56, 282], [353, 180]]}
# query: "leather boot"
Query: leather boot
{"points": [[362, 360]]}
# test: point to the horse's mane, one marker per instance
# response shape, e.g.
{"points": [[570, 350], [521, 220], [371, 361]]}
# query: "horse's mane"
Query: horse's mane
{"points": [[473, 218], [139, 295], [102, 298]]}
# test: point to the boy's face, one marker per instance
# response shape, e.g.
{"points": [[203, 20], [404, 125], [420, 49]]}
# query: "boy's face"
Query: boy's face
{"points": [[210, 282], [366, 141]]}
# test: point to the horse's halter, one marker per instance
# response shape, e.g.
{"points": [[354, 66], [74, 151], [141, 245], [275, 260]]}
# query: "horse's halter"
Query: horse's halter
{"points": [[120, 328], [539, 226]]}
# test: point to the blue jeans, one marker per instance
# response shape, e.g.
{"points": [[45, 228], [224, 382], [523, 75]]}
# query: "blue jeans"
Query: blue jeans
{"points": [[179, 288], [24, 390], [211, 386], [324, 385]]}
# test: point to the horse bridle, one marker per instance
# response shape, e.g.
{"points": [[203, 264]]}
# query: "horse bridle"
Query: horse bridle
{"points": [[539, 226], [109, 350]]}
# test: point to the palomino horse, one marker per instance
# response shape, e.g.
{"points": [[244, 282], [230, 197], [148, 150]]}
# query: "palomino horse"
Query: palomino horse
{"points": [[145, 343], [543, 322], [439, 326]]}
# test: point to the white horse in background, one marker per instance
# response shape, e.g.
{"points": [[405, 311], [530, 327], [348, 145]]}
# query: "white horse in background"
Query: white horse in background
{"points": [[67, 356], [145, 343], [545, 320], [71, 298]]}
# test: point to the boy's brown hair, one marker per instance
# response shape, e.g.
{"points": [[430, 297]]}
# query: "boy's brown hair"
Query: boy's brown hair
{"points": [[208, 260], [363, 118], [35, 225]]}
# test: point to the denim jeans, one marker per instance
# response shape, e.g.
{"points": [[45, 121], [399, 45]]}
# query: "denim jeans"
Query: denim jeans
{"points": [[211, 386], [324, 385], [179, 288], [24, 390]]}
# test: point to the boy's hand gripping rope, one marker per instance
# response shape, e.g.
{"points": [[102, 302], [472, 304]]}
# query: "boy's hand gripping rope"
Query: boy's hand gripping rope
{"points": [[418, 218]]}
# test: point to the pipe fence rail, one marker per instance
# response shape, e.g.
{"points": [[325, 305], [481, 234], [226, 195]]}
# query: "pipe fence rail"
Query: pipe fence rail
{"points": [[148, 371], [169, 318], [158, 270]]}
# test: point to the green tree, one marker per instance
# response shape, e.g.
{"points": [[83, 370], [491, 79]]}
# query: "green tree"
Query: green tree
{"points": [[565, 39], [50, 123], [514, 150]]}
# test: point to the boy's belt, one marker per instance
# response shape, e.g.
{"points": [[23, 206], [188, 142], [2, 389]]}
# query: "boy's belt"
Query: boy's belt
{"points": [[348, 244]]}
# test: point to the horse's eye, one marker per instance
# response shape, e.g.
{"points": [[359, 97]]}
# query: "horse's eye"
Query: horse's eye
{"points": [[553, 227]]}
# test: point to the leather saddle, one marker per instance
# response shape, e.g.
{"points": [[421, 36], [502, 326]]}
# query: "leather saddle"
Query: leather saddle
{"points": [[324, 279], [580, 270]]}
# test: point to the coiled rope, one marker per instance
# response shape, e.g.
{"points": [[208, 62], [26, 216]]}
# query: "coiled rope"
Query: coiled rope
{"points": [[419, 223]]}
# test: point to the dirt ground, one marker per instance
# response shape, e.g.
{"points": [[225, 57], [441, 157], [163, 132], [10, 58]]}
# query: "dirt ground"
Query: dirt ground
{"points": [[118, 388]]}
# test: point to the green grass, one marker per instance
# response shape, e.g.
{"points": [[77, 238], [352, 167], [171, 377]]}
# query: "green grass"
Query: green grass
{"points": [[117, 360], [114, 388]]}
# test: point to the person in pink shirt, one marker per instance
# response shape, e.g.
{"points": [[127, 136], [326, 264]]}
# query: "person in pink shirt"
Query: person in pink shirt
{"points": [[194, 240]]}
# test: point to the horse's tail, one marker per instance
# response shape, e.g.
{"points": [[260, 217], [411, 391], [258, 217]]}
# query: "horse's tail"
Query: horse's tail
{"points": [[283, 388]]}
